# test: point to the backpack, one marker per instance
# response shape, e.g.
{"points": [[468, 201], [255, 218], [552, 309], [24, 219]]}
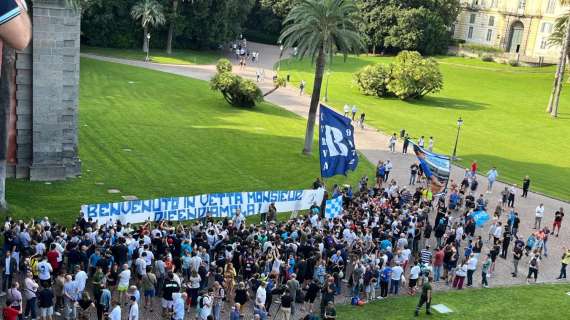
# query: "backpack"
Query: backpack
{"points": [[533, 262]]}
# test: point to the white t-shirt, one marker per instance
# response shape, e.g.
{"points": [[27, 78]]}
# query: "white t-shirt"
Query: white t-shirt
{"points": [[124, 278], [116, 313], [260, 296], [415, 272], [44, 270], [81, 280], [134, 311], [472, 263], [397, 273]]}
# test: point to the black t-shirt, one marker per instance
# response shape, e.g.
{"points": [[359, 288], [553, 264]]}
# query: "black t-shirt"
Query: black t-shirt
{"points": [[414, 168], [558, 215], [45, 298], [286, 301], [8, 10], [170, 287]]}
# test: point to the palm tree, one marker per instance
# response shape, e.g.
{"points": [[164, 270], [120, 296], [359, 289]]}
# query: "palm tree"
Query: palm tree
{"points": [[171, 28], [561, 37], [151, 14], [319, 29]]}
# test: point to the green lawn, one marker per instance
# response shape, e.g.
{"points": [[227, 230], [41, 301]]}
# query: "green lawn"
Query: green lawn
{"points": [[502, 107], [522, 302], [183, 138], [178, 56]]}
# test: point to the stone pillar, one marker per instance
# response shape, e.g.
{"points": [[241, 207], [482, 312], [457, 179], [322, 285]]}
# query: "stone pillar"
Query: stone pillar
{"points": [[24, 106], [55, 91]]}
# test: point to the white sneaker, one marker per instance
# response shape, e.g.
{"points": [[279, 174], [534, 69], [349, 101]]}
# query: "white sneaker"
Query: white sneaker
{"points": [[57, 313], [2, 294]]}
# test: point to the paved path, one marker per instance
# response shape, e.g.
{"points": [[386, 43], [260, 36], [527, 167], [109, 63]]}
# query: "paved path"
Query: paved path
{"points": [[374, 146]]}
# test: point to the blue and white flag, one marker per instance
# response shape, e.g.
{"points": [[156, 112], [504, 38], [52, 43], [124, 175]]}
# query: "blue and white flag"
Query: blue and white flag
{"points": [[333, 207], [480, 218], [436, 168], [336, 144]]}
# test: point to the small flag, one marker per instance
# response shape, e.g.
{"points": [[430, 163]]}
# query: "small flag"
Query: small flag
{"points": [[333, 207]]}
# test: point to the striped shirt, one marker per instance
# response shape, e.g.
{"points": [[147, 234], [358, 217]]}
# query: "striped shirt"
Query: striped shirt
{"points": [[425, 256]]}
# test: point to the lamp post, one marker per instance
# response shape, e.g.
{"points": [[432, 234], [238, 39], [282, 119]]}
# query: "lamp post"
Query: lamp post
{"points": [[147, 47], [327, 87], [459, 124]]}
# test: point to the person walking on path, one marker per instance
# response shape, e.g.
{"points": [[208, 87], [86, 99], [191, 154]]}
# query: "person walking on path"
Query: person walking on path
{"points": [[558, 216], [525, 186], [491, 178], [354, 110], [471, 268], [346, 110], [421, 142], [430, 144], [406, 144], [392, 143], [538, 215], [302, 87], [511, 197], [362, 116], [474, 168], [564, 263], [517, 255], [413, 173], [425, 297], [387, 168]]}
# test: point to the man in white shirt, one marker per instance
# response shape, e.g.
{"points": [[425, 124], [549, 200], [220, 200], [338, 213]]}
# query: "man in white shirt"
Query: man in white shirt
{"points": [[346, 110], [116, 311], [134, 309], [239, 219], [471, 268], [396, 277], [354, 110], [539, 214], [124, 279], [44, 272], [80, 280], [260, 295]]}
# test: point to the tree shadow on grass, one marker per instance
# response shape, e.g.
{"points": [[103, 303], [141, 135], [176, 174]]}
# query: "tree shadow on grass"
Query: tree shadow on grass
{"points": [[449, 103], [549, 179]]}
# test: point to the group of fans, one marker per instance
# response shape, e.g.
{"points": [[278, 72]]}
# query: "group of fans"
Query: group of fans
{"points": [[387, 235]]}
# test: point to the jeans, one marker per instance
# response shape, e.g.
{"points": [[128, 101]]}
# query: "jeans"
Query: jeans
{"points": [[537, 221], [69, 311], [562, 271], [470, 277], [31, 308], [484, 279], [6, 282], [491, 184], [437, 272], [545, 247], [394, 286], [383, 289], [217, 310], [412, 179], [516, 265]]}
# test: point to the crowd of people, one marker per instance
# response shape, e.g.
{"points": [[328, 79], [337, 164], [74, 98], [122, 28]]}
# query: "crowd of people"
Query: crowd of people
{"points": [[389, 239]]}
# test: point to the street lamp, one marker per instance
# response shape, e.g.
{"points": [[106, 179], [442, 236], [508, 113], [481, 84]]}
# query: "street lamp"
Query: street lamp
{"points": [[327, 86], [459, 124], [147, 47]]}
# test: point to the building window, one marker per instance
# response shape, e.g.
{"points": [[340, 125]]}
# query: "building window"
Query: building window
{"points": [[522, 4], [546, 27], [551, 6], [543, 43], [472, 18], [452, 30], [491, 21], [470, 33], [489, 35], [494, 3]]}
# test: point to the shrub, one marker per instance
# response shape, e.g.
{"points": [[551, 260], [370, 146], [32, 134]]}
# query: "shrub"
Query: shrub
{"points": [[373, 79], [487, 58], [413, 77], [237, 91], [513, 63], [224, 65], [480, 48]]}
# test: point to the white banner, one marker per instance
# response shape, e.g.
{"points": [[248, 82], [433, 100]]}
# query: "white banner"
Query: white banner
{"points": [[193, 207]]}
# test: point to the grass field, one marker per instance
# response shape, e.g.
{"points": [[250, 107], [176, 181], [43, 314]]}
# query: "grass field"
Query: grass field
{"points": [[153, 134], [178, 56], [502, 107], [522, 302]]}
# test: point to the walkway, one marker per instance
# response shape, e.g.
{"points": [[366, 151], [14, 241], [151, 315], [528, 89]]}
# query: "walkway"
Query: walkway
{"points": [[373, 144]]}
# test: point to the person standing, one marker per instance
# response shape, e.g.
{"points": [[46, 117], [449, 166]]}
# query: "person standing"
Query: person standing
{"points": [[474, 168], [558, 216], [533, 268], [286, 304], [45, 302], [471, 268], [406, 144], [538, 215], [396, 278], [485, 270], [346, 110], [425, 297], [525, 186], [517, 255], [302, 87], [392, 143], [354, 111], [30, 294], [9, 269], [421, 142], [511, 198], [564, 263], [116, 311], [387, 168], [362, 117], [430, 144], [491, 178]]}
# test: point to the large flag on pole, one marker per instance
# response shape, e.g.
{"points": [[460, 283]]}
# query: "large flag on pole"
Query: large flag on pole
{"points": [[436, 168], [336, 143]]}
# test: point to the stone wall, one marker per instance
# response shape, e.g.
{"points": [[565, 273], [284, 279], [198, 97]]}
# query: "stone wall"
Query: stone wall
{"points": [[55, 91]]}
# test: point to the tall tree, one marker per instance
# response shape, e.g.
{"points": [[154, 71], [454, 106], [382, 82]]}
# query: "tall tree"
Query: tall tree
{"points": [[319, 29], [561, 37], [150, 13], [171, 27]]}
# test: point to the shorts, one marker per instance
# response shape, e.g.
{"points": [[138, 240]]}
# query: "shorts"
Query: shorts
{"points": [[149, 293], [46, 312], [167, 304], [122, 288], [413, 282]]}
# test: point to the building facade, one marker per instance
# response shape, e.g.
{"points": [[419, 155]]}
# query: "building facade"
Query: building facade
{"points": [[518, 27]]}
